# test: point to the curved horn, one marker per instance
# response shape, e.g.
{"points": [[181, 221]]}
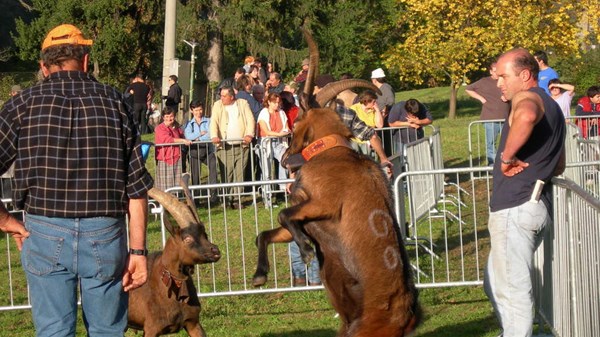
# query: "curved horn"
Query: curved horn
{"points": [[333, 89], [313, 66], [180, 212]]}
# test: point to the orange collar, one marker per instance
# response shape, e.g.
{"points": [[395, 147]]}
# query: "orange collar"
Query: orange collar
{"points": [[323, 144]]}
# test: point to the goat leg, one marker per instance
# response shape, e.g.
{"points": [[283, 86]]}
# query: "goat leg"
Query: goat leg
{"points": [[277, 235], [295, 228]]}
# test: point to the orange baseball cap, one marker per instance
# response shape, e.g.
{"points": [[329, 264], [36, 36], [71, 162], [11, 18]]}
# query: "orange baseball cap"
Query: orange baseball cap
{"points": [[65, 34]]}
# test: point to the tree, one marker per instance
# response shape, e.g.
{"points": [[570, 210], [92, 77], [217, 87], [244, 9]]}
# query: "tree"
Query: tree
{"points": [[351, 34], [127, 35], [449, 40]]}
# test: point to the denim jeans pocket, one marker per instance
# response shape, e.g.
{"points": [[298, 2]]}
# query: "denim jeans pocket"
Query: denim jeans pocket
{"points": [[109, 252], [41, 252]]}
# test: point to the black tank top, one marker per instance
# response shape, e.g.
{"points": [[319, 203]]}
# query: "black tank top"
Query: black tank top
{"points": [[542, 151]]}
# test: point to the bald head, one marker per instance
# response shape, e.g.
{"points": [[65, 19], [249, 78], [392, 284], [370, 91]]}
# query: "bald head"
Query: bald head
{"points": [[517, 71], [521, 59]]}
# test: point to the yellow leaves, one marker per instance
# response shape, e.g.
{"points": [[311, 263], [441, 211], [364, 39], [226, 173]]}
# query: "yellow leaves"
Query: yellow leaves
{"points": [[451, 39]]}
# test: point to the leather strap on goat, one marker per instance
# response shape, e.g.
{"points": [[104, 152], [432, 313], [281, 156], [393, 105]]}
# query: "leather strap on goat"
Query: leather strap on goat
{"points": [[176, 286], [323, 144]]}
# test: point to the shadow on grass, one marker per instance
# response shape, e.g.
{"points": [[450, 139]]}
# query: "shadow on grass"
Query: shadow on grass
{"points": [[480, 327], [303, 333]]}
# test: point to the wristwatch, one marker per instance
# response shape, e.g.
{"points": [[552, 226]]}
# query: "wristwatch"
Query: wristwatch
{"points": [[507, 162], [143, 252]]}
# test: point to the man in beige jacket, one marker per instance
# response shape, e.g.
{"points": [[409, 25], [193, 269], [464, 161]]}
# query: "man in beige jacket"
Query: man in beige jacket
{"points": [[232, 130]]}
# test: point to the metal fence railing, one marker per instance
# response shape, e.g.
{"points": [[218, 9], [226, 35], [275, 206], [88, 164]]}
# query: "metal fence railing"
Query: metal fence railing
{"points": [[480, 143], [581, 155], [588, 125], [568, 264]]}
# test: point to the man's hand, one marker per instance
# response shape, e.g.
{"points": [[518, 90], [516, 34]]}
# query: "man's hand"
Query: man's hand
{"points": [[15, 228], [136, 273], [387, 167], [514, 168]]}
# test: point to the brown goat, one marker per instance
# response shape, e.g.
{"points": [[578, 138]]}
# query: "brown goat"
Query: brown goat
{"points": [[168, 301], [341, 203]]}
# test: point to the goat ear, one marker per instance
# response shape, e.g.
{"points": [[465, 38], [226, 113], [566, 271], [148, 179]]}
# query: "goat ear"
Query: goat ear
{"points": [[173, 230], [308, 136]]}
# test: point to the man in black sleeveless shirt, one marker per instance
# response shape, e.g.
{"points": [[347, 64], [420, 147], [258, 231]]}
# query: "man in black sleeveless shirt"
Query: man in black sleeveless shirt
{"points": [[531, 149]]}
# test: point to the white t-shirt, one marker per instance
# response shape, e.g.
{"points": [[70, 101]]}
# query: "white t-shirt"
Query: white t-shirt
{"points": [[265, 116], [564, 101], [234, 129]]}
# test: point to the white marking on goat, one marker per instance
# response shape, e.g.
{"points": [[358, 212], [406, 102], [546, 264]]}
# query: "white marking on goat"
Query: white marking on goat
{"points": [[390, 257], [380, 229]]}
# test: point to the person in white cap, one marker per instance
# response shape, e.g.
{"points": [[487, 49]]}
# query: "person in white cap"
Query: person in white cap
{"points": [[386, 99]]}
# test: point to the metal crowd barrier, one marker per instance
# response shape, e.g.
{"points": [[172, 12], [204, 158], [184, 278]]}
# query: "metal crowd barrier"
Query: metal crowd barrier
{"points": [[580, 157], [270, 152], [477, 142], [390, 141], [170, 176], [588, 125], [567, 264], [455, 245]]}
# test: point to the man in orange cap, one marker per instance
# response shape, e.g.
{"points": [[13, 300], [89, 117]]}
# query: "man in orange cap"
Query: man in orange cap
{"points": [[78, 172]]}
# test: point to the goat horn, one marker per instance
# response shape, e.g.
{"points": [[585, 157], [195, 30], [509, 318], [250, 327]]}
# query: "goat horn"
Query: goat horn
{"points": [[313, 66], [331, 90], [180, 212]]}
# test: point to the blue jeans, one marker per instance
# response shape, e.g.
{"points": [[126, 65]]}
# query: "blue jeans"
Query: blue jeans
{"points": [[515, 234], [299, 268], [492, 130], [61, 252]]}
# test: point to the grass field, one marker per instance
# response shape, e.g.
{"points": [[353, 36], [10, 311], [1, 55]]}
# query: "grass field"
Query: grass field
{"points": [[460, 311]]}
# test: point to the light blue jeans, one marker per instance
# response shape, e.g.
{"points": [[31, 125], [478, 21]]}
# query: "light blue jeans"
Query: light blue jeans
{"points": [[492, 130], [515, 234], [61, 252], [299, 269]]}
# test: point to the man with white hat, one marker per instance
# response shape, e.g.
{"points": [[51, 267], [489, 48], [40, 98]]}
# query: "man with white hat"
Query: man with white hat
{"points": [[386, 99], [79, 172]]}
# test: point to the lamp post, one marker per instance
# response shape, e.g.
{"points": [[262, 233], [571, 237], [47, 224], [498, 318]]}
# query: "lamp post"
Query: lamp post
{"points": [[192, 44]]}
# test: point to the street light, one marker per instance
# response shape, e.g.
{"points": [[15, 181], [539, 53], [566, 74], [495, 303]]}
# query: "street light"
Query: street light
{"points": [[192, 44]]}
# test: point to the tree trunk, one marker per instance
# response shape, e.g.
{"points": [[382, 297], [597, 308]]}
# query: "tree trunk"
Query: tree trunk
{"points": [[214, 56], [214, 60], [453, 94]]}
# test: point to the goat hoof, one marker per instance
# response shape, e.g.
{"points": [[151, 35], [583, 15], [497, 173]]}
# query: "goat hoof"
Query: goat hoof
{"points": [[258, 281]]}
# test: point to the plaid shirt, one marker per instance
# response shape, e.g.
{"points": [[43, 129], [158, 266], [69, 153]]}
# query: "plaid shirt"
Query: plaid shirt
{"points": [[75, 146], [359, 129]]}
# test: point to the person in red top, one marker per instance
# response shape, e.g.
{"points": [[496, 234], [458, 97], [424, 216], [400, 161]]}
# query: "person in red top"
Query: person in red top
{"points": [[586, 106], [288, 104], [168, 158]]}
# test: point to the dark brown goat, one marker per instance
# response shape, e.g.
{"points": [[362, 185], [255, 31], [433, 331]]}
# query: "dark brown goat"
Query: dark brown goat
{"points": [[341, 203], [168, 301]]}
